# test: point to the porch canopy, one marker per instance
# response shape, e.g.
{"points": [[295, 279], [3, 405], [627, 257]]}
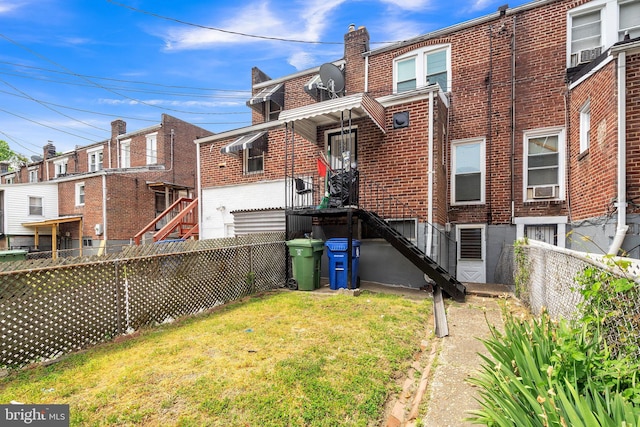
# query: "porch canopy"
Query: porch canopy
{"points": [[309, 117], [54, 223]]}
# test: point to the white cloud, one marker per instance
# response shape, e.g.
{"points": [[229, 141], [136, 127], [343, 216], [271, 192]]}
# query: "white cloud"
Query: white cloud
{"points": [[170, 103], [8, 6], [306, 21], [414, 5], [479, 5]]}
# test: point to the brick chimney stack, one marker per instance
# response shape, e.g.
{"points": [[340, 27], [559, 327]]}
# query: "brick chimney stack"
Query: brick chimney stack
{"points": [[118, 127], [49, 151], [356, 43]]}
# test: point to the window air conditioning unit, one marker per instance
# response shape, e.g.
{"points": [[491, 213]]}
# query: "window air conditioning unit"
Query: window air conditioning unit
{"points": [[544, 192], [584, 56]]}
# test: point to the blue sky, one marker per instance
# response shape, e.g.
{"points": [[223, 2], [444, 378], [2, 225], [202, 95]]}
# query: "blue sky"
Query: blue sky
{"points": [[70, 67]]}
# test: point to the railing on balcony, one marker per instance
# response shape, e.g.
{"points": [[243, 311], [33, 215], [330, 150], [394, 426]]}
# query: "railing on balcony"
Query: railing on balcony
{"points": [[353, 190], [181, 219]]}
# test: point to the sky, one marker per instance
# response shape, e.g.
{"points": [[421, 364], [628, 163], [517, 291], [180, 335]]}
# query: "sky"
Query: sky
{"points": [[68, 68]]}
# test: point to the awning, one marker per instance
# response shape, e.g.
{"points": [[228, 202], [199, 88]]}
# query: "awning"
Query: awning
{"points": [[308, 118], [53, 221], [251, 140], [272, 93]]}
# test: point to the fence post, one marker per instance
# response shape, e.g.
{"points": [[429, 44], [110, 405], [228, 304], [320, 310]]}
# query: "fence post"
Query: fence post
{"points": [[118, 299]]}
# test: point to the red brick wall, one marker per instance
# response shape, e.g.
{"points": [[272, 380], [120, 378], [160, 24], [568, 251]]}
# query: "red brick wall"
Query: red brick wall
{"points": [[596, 168], [633, 131]]}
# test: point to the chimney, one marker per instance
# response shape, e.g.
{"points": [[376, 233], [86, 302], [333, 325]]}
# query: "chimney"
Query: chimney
{"points": [[49, 151], [356, 43], [118, 127]]}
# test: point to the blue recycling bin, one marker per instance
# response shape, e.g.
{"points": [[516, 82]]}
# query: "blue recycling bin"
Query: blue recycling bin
{"points": [[337, 251]]}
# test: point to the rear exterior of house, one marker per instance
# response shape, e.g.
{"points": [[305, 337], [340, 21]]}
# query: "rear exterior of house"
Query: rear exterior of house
{"points": [[117, 186], [520, 123]]}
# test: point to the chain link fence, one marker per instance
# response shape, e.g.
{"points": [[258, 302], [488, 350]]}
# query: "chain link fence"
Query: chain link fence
{"points": [[547, 281], [46, 312]]}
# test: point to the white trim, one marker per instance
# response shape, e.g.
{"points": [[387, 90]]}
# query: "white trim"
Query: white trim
{"points": [[537, 133], [585, 126], [151, 148], [559, 221], [420, 65], [469, 141], [77, 193]]}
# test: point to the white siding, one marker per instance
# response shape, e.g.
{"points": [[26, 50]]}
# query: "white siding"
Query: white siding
{"points": [[218, 203], [16, 206]]}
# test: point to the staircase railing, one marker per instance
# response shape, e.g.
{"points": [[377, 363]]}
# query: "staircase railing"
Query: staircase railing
{"points": [[433, 241], [180, 216]]}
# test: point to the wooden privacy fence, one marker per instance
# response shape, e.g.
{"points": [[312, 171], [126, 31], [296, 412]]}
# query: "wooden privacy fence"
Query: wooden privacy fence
{"points": [[51, 311]]}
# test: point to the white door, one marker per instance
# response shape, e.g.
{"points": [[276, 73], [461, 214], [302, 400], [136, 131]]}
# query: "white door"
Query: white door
{"points": [[471, 253]]}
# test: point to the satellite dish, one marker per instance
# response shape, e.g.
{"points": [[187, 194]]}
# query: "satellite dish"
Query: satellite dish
{"points": [[332, 79], [36, 159]]}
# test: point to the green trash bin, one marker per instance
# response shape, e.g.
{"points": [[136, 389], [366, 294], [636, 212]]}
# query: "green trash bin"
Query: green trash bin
{"points": [[13, 255], [306, 256]]}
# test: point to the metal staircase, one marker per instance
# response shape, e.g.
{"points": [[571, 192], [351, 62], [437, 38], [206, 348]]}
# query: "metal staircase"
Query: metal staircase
{"points": [[443, 279]]}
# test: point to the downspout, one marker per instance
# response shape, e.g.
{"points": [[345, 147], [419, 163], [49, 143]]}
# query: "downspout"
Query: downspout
{"points": [[622, 157], [513, 118], [104, 210], [366, 74], [199, 188], [430, 179]]}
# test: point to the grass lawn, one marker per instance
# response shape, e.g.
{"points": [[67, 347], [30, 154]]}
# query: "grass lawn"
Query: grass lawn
{"points": [[277, 359]]}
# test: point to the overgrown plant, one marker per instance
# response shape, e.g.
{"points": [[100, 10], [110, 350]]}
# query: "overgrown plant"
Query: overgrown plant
{"points": [[522, 269], [583, 373]]}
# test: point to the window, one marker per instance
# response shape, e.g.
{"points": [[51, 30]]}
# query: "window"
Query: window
{"points": [[406, 227], [60, 167], [152, 148], [468, 166], [33, 175], [544, 160], [95, 160], [87, 241], [343, 146], [629, 19], [125, 154], [586, 31], [35, 206], [547, 233], [423, 67], [80, 194], [597, 25], [406, 75], [253, 160], [9, 179], [585, 127]]}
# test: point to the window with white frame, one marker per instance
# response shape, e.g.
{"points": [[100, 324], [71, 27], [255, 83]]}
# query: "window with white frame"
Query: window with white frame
{"points": [[80, 194], [544, 154], [423, 67], [60, 167], [468, 166], [9, 179], [629, 12], [152, 148], [33, 174], [253, 160], [597, 25], [585, 127], [586, 34], [343, 146], [125, 153], [95, 159], [35, 206]]}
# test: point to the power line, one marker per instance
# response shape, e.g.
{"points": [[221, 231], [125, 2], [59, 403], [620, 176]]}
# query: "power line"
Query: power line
{"points": [[123, 80]]}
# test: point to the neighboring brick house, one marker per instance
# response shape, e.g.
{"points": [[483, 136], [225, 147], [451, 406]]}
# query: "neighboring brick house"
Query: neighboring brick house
{"points": [[119, 185], [524, 134]]}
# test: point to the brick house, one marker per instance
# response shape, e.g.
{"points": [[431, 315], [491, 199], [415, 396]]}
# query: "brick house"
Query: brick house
{"points": [[519, 123], [117, 186]]}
